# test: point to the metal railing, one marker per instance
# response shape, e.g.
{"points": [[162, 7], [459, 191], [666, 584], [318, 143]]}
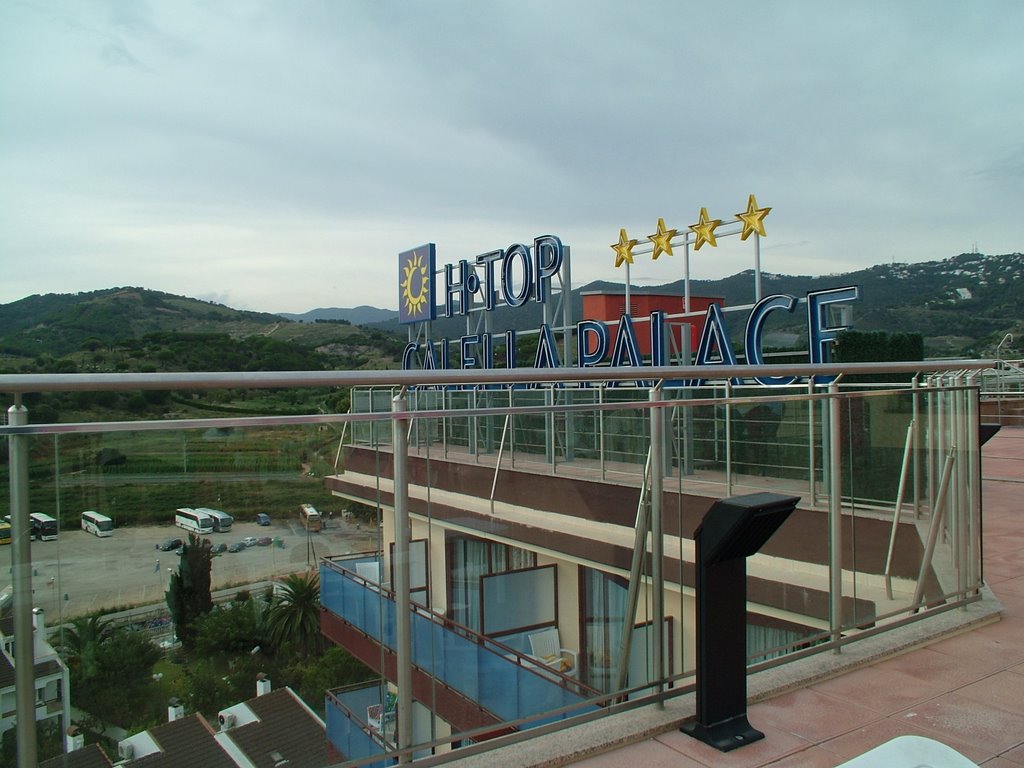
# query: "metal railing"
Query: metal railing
{"points": [[844, 448], [1002, 393]]}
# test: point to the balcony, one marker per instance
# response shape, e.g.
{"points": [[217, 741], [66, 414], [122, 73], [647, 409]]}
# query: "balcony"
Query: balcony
{"points": [[349, 728], [474, 682]]}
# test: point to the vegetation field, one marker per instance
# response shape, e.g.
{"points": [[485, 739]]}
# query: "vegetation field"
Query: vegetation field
{"points": [[142, 477]]}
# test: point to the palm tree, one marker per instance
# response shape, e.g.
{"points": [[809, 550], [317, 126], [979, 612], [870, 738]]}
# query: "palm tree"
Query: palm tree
{"points": [[294, 615], [80, 642]]}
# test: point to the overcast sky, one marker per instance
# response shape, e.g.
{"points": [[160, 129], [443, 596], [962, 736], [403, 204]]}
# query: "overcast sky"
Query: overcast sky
{"points": [[278, 156]]}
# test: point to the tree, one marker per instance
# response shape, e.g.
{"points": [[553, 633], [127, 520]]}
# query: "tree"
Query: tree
{"points": [[231, 631], [110, 669], [80, 644], [120, 691], [206, 688], [188, 596], [294, 616]]}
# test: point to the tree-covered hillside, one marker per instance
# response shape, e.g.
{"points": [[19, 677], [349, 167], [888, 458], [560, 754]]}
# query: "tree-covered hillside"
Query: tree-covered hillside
{"points": [[59, 324], [136, 330], [133, 329]]}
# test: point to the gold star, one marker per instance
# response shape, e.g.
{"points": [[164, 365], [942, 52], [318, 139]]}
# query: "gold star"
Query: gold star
{"points": [[753, 219], [623, 249], [704, 229], [662, 240]]}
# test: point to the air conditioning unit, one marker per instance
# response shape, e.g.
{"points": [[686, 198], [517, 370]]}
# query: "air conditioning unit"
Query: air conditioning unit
{"points": [[227, 720], [125, 750]]}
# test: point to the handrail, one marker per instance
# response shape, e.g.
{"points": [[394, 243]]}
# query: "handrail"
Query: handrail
{"points": [[327, 418], [20, 383]]}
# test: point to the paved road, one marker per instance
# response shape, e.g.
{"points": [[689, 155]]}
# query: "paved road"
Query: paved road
{"points": [[80, 573]]}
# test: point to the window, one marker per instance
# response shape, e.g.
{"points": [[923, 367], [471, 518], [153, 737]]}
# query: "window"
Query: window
{"points": [[468, 560], [603, 599], [604, 605], [419, 577]]}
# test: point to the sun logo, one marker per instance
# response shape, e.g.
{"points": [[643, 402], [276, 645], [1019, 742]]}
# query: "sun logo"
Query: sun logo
{"points": [[414, 285]]}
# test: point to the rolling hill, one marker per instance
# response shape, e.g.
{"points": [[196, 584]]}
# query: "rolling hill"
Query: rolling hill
{"points": [[143, 329]]}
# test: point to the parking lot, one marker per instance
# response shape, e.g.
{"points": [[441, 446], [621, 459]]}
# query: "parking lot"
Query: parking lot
{"points": [[80, 573]]}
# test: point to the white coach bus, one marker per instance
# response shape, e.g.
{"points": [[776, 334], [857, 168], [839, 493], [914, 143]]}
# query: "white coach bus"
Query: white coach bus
{"points": [[221, 520], [193, 520], [44, 526], [97, 524]]}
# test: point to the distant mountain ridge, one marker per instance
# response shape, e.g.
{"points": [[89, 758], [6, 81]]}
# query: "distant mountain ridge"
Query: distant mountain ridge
{"points": [[361, 315], [961, 305]]}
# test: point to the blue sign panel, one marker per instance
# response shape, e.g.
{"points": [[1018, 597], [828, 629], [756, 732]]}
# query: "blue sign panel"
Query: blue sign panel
{"points": [[416, 285]]}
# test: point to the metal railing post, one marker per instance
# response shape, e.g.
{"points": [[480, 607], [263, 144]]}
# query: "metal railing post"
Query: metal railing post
{"points": [[569, 428], [445, 426], [942, 403], [472, 425], [640, 531], [403, 625], [657, 539], [916, 416], [835, 519], [512, 428], [932, 447], [728, 438], [549, 429], [963, 486], [812, 465], [974, 458], [21, 582]]}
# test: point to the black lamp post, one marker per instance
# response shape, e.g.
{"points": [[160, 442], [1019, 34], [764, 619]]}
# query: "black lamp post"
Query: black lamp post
{"points": [[732, 530]]}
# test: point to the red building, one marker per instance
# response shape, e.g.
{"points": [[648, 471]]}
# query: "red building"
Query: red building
{"points": [[609, 307]]}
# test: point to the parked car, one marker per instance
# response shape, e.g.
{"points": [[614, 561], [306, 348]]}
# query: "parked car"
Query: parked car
{"points": [[218, 548], [169, 544], [264, 541], [262, 519], [236, 547], [249, 541]]}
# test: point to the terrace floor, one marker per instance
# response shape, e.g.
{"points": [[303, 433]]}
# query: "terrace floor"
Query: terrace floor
{"points": [[966, 691], [957, 678]]}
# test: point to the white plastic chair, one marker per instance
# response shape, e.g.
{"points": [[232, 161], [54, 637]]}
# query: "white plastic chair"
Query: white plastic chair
{"points": [[546, 647]]}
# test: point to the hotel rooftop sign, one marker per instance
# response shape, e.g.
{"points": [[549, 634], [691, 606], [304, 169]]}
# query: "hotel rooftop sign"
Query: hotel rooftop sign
{"points": [[521, 273]]}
